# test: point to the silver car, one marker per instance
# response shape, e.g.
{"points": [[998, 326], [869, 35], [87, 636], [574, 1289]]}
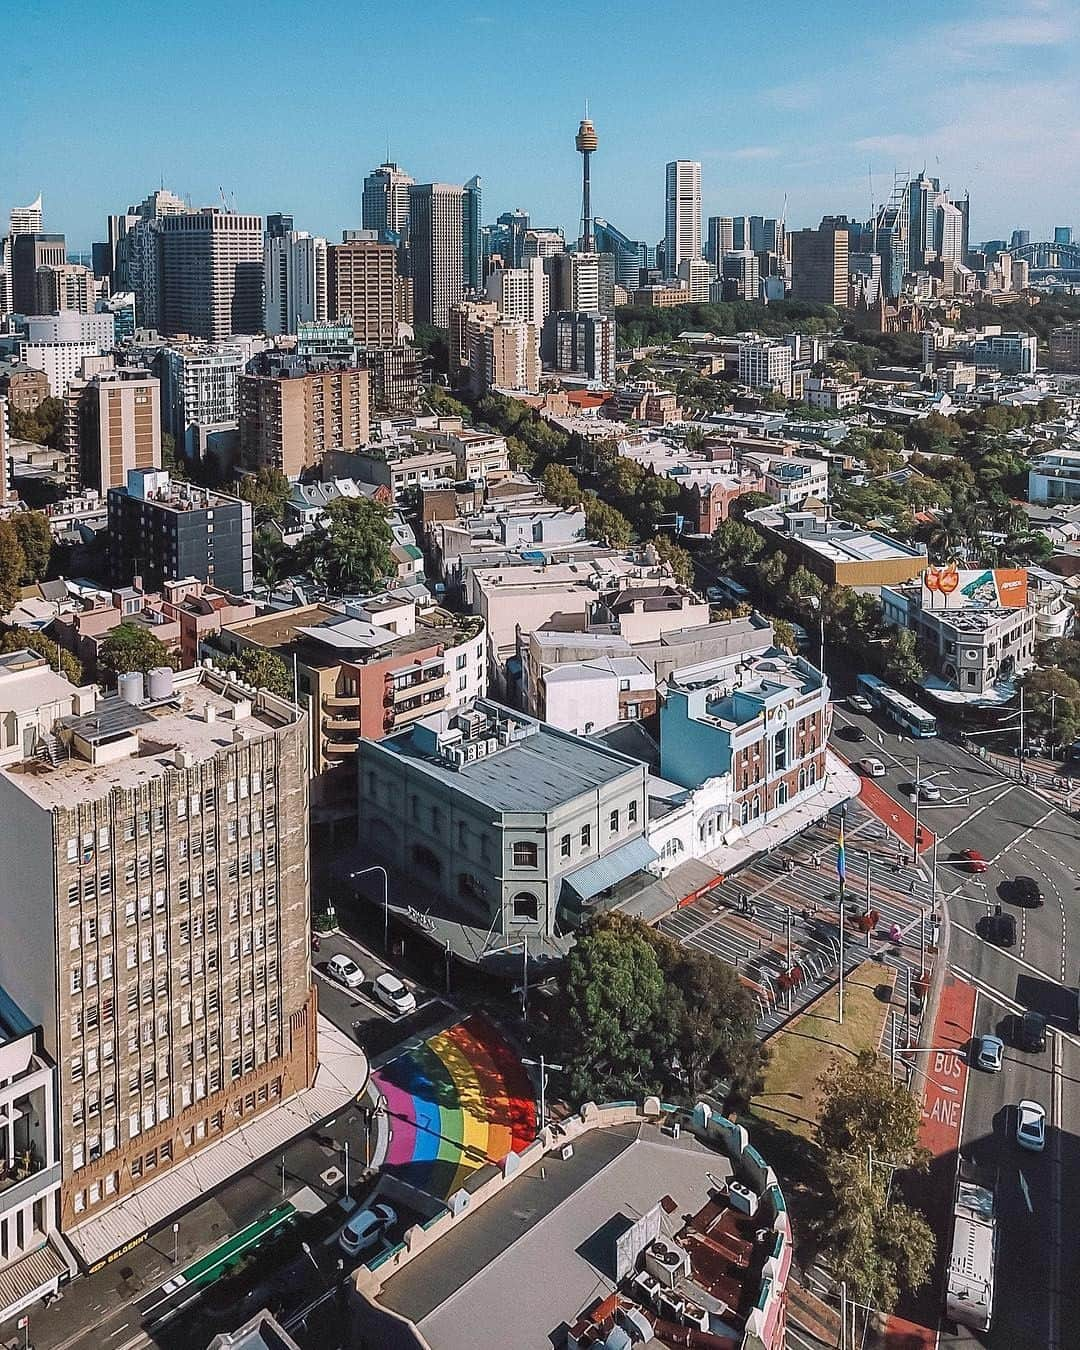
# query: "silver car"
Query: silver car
{"points": [[1031, 1126], [989, 1053]]}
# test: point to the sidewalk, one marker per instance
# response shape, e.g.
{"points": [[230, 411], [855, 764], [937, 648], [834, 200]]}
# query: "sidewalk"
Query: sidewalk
{"points": [[1045, 776]]}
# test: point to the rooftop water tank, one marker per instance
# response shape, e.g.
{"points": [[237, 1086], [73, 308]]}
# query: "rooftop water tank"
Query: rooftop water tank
{"points": [[130, 686], [159, 683]]}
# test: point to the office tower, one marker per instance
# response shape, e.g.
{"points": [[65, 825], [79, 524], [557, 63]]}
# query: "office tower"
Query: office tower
{"points": [[1020, 238], [471, 207], [26, 219], [740, 233], [507, 239], [165, 531], [198, 391], [586, 142], [211, 274], [721, 239], [696, 274], [1063, 234], [819, 263], [521, 292], [581, 344], [682, 234], [740, 276], [29, 252], [294, 280], [291, 415], [542, 244], [766, 235], [167, 840], [385, 204], [574, 281], [630, 255], [864, 278], [71, 326], [436, 250], [365, 288], [6, 298], [766, 365], [278, 225], [949, 234], [112, 423], [67, 287], [121, 306]]}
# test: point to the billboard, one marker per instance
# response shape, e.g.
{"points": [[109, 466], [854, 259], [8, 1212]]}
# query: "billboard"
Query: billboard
{"points": [[952, 587]]}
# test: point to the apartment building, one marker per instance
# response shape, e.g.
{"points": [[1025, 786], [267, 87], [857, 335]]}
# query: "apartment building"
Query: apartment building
{"points": [[294, 281], [364, 287], [211, 273], [165, 531], [23, 387], [154, 920], [112, 423], [69, 286], [765, 365], [1065, 348], [198, 390], [291, 416], [819, 263], [789, 480], [6, 488], [365, 670]]}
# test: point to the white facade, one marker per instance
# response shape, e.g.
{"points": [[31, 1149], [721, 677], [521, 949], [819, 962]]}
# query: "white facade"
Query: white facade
{"points": [[695, 823], [696, 275], [765, 365], [61, 361], [294, 281], [72, 327], [1055, 477], [521, 292], [199, 389], [26, 219], [682, 213]]}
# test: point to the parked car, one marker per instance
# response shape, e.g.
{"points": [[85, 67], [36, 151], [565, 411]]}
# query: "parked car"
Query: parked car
{"points": [[345, 970], [1000, 928], [856, 733], [392, 993], [974, 860], [1031, 1126], [989, 1052], [1025, 891], [859, 704], [1031, 1031], [365, 1229], [872, 768]]}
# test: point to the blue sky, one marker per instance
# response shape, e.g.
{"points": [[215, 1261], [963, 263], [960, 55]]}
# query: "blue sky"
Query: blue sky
{"points": [[288, 104]]}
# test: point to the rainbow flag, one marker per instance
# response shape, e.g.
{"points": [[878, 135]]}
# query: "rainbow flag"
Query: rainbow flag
{"points": [[840, 870]]}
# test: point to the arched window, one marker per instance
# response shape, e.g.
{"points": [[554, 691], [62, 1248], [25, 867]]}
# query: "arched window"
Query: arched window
{"points": [[781, 794], [672, 848], [526, 907]]}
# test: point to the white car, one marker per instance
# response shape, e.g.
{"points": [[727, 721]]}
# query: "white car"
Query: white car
{"points": [[873, 768], [345, 970], [926, 792], [989, 1053], [365, 1229], [859, 704], [1031, 1126], [392, 993]]}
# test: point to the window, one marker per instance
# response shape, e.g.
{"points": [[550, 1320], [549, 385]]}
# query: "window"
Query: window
{"points": [[780, 752], [631, 813], [564, 846], [525, 854], [586, 836], [526, 907], [613, 822]]}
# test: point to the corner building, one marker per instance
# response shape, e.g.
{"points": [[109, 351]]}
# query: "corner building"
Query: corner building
{"points": [[154, 918]]}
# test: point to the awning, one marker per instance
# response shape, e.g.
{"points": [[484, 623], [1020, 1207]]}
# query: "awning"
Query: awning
{"points": [[613, 867]]}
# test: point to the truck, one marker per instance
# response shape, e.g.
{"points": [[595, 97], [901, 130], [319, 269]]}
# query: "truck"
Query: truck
{"points": [[969, 1279]]}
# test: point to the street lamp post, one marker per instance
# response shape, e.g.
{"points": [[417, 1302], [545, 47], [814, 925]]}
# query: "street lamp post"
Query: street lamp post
{"points": [[541, 1064], [363, 871]]}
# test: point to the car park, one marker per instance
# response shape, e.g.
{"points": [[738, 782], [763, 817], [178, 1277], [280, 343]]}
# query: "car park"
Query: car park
{"points": [[345, 971], [1031, 1031], [365, 1229], [872, 768], [1031, 1126], [1025, 891], [989, 1053], [859, 704], [393, 993], [973, 860]]}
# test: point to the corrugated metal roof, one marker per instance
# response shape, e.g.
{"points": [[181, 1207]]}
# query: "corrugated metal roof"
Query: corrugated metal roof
{"points": [[612, 868], [29, 1275]]}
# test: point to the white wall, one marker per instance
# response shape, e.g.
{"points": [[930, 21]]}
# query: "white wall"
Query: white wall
{"points": [[28, 908], [586, 704]]}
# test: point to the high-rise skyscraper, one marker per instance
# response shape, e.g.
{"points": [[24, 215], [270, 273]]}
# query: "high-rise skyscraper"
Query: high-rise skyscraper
{"points": [[278, 225], [26, 219], [630, 255], [436, 250], [112, 423], [364, 287], [471, 262], [721, 238], [211, 274], [29, 252], [294, 280], [521, 292], [385, 203], [819, 263], [1063, 234], [682, 213], [586, 142]]}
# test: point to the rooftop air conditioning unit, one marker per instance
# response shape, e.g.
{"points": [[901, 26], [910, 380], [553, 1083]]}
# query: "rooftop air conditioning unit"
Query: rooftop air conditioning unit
{"points": [[666, 1262], [492, 744]]}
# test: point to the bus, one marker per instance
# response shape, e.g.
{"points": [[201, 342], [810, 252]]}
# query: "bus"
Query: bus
{"points": [[969, 1280], [904, 711]]}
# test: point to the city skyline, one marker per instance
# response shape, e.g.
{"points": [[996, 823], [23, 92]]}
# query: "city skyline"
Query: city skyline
{"points": [[863, 103]]}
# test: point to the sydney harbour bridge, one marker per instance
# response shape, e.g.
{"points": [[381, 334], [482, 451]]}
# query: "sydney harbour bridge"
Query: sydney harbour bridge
{"points": [[1050, 262]]}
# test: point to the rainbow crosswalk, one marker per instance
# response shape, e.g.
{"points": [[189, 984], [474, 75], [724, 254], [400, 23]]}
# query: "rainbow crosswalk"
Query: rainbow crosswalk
{"points": [[459, 1100]]}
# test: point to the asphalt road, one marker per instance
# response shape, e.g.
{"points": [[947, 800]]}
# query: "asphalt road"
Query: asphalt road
{"points": [[1037, 1303]]}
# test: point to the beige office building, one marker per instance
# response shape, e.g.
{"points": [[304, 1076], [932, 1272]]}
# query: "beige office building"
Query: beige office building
{"points": [[365, 287], [70, 287], [289, 421], [155, 920], [112, 423]]}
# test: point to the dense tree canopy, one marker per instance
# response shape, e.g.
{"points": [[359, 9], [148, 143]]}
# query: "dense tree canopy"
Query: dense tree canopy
{"points": [[260, 668], [267, 490], [130, 646], [351, 553]]}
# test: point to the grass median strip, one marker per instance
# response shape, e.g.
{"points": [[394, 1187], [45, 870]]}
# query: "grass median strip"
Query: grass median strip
{"points": [[808, 1045]]}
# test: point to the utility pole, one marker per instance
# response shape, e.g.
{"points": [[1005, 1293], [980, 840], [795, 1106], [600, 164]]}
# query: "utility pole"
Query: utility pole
{"points": [[524, 979], [892, 1046], [789, 967], [918, 798], [840, 982], [1021, 729], [907, 1005], [868, 944], [843, 1315]]}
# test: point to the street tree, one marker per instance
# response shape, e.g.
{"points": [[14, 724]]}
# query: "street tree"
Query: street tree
{"points": [[605, 523], [677, 558], [35, 537], [561, 485], [267, 491], [863, 1108], [734, 544], [352, 550], [902, 663], [129, 647], [12, 566]]}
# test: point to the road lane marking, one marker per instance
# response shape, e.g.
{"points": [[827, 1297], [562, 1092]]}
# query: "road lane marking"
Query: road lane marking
{"points": [[1025, 1191], [1055, 1190]]}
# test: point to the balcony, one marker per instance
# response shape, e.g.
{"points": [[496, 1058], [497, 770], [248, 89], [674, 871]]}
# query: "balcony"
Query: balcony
{"points": [[336, 702], [339, 749], [23, 1180], [418, 686], [351, 723], [401, 717]]}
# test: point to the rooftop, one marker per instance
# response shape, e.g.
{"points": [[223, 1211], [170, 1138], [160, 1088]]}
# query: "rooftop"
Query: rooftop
{"points": [[534, 767]]}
